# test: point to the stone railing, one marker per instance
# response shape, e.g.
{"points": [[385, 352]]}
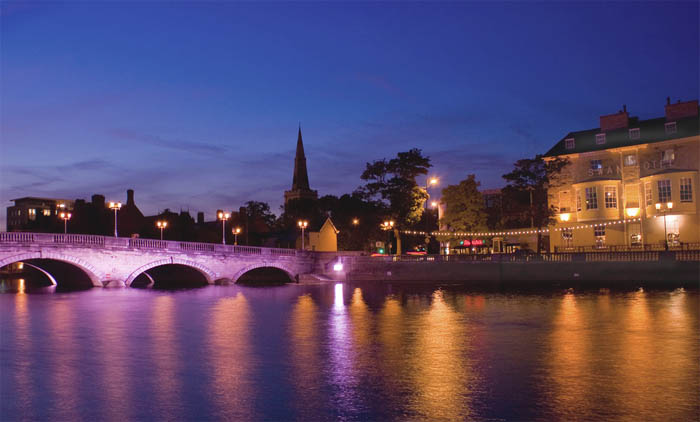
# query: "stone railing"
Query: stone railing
{"points": [[141, 243], [622, 248]]}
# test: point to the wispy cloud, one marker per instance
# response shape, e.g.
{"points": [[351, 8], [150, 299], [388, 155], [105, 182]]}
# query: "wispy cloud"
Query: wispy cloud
{"points": [[177, 144]]}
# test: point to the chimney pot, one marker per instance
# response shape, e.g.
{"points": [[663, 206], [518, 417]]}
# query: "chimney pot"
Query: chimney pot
{"points": [[130, 197], [668, 100]]}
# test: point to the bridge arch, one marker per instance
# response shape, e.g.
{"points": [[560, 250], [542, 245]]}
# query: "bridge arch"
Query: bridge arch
{"points": [[208, 274], [90, 271], [289, 273]]}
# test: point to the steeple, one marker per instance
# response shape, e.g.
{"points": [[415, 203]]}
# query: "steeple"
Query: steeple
{"points": [[300, 180]]}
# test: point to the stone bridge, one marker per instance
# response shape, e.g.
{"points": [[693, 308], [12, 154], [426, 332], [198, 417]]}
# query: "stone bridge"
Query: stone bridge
{"points": [[116, 261]]}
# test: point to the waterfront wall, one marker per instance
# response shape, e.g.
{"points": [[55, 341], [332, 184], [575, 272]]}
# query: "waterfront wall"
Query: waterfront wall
{"points": [[653, 269]]}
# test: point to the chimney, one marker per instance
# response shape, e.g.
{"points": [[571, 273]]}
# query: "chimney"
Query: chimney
{"points": [[200, 217], [681, 110], [668, 100], [614, 121], [130, 197], [98, 200]]}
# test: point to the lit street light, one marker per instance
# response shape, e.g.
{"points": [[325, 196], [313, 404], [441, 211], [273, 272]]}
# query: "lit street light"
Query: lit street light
{"points": [[429, 182], [65, 216], [116, 206], [387, 226], [161, 225], [666, 209], [236, 231], [302, 225], [355, 221], [223, 216]]}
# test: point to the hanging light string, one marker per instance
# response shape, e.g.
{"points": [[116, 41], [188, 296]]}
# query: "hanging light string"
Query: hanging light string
{"points": [[518, 232]]}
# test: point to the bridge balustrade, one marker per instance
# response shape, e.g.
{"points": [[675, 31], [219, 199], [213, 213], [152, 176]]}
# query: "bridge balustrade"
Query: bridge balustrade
{"points": [[139, 243]]}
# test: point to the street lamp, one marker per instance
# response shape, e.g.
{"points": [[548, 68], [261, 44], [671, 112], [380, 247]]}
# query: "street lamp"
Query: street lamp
{"points": [[302, 225], [161, 225], [116, 206], [236, 231], [223, 216], [387, 226], [666, 209], [355, 221], [65, 216]]}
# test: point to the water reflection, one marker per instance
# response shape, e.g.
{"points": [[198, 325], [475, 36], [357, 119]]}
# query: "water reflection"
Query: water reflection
{"points": [[305, 357], [440, 367], [115, 362], [64, 358], [231, 358], [167, 366], [25, 394]]}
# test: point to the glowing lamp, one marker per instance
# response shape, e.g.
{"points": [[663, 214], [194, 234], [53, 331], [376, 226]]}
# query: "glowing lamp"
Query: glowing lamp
{"points": [[658, 206], [338, 266], [434, 204], [669, 205], [632, 212], [565, 216]]}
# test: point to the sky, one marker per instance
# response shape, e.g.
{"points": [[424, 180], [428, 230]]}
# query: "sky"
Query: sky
{"points": [[196, 106]]}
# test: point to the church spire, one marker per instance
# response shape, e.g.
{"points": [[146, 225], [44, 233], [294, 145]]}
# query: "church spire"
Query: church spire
{"points": [[300, 180]]}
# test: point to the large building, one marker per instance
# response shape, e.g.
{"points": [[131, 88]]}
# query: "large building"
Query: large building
{"points": [[630, 183], [23, 215], [300, 180]]}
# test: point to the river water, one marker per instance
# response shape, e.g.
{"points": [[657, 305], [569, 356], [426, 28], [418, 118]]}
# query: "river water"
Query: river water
{"points": [[349, 352]]}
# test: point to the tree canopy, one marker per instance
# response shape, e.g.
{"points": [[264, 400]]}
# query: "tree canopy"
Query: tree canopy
{"points": [[464, 206]]}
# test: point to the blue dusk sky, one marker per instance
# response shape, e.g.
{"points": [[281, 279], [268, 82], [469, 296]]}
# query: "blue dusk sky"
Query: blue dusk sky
{"points": [[196, 105]]}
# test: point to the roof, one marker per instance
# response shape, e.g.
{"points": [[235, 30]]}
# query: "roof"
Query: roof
{"points": [[34, 198], [330, 224], [650, 131]]}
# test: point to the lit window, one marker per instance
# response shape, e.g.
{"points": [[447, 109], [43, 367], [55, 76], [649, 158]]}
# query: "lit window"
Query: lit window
{"points": [[686, 189], [670, 128], [564, 201], [667, 157], [630, 160], [647, 194], [570, 143], [599, 233], [664, 190], [634, 133], [610, 197], [600, 139], [567, 234], [47, 213], [596, 165], [591, 199], [578, 201]]}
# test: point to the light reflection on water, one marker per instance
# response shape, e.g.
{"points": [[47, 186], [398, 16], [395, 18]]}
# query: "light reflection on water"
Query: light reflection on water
{"points": [[349, 352]]}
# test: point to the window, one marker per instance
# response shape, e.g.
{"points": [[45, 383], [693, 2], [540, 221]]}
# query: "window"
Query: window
{"points": [[647, 194], [570, 143], [610, 197], [564, 204], [634, 133], [47, 212], [686, 189], [600, 139], [32, 213], [664, 190], [630, 160], [596, 165], [670, 128], [591, 199], [667, 157], [599, 233], [567, 236], [578, 201]]}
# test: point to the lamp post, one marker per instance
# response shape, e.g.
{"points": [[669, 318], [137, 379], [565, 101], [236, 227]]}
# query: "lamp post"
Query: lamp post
{"points": [[116, 206], [387, 226], [161, 225], [236, 231], [65, 216], [302, 225], [666, 209], [223, 216], [631, 213]]}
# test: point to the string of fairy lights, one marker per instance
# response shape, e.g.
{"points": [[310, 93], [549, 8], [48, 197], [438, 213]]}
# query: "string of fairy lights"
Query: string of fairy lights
{"points": [[518, 232]]}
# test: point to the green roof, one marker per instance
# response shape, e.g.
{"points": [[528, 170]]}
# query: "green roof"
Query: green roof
{"points": [[651, 130]]}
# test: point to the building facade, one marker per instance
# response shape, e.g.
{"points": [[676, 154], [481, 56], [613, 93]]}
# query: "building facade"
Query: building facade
{"points": [[23, 215], [629, 184]]}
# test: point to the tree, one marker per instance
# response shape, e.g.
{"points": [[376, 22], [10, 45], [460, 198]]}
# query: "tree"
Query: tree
{"points": [[356, 218], [394, 183], [535, 176], [464, 206]]}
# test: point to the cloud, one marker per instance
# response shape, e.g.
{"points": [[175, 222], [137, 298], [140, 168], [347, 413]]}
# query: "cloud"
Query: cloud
{"points": [[177, 144]]}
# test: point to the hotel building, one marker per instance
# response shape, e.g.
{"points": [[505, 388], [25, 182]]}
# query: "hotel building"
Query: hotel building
{"points": [[629, 184]]}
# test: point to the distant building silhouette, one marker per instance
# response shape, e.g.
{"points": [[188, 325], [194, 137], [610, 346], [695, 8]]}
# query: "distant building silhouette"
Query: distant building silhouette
{"points": [[300, 181]]}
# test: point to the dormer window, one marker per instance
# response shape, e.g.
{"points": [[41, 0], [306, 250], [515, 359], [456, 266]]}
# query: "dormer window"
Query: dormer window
{"points": [[634, 133], [671, 128], [570, 143], [667, 157], [600, 139]]}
